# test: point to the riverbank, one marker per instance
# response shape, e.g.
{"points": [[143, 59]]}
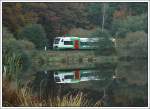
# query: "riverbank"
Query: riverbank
{"points": [[56, 60]]}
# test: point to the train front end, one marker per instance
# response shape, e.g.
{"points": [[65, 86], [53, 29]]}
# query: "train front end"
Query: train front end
{"points": [[56, 42]]}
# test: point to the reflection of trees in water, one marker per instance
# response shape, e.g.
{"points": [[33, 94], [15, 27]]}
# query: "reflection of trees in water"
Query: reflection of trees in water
{"points": [[123, 89], [135, 70], [125, 94], [106, 70], [44, 85], [97, 89], [131, 88], [114, 89]]}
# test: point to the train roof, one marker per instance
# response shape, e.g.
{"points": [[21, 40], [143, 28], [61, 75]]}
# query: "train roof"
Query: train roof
{"points": [[65, 37]]}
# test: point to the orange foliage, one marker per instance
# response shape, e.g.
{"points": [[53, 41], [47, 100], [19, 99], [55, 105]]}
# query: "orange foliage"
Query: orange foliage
{"points": [[120, 14]]}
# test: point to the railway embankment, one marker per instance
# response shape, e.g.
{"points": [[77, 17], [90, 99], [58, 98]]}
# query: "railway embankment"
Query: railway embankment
{"points": [[70, 59]]}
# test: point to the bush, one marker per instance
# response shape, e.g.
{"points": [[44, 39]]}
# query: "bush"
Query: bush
{"points": [[16, 56], [34, 33], [135, 44], [130, 24], [105, 45], [15, 47], [26, 45], [6, 34]]}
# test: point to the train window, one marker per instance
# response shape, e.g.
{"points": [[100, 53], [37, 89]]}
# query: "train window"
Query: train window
{"points": [[68, 42], [62, 40], [69, 77], [94, 43], [57, 40], [86, 74], [84, 43]]}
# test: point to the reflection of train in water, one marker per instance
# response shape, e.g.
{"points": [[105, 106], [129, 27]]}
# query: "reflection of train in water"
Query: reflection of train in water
{"points": [[74, 43], [75, 76]]}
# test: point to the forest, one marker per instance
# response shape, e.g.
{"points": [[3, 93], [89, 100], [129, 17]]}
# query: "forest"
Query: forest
{"points": [[29, 27]]}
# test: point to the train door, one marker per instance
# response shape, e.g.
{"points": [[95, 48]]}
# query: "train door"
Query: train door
{"points": [[77, 74], [76, 44]]}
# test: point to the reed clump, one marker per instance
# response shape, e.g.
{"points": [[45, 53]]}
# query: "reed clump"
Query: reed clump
{"points": [[14, 96]]}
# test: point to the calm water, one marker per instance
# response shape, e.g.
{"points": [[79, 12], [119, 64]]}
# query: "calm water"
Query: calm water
{"points": [[123, 83]]}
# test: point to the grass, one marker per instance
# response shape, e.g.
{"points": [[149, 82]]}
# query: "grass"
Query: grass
{"points": [[11, 66], [24, 97]]}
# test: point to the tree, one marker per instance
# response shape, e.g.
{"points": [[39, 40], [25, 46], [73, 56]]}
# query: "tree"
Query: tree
{"points": [[34, 33], [105, 44], [137, 8], [12, 16], [16, 53], [95, 13], [120, 27], [135, 44]]}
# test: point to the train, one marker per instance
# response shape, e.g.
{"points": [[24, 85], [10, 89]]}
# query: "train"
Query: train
{"points": [[76, 43]]}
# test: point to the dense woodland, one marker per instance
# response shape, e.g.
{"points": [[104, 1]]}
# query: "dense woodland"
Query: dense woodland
{"points": [[41, 22], [28, 27], [31, 26]]}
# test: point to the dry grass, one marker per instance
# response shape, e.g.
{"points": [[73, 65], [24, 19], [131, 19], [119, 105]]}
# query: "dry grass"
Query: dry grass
{"points": [[23, 97]]}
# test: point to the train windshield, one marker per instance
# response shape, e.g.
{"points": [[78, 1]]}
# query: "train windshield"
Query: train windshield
{"points": [[56, 41], [57, 79]]}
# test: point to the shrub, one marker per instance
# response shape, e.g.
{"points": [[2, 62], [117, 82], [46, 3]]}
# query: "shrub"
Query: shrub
{"points": [[130, 24], [135, 44], [16, 54], [34, 33], [105, 45]]}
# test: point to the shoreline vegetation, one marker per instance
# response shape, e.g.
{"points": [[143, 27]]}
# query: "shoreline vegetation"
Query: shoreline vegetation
{"points": [[22, 96], [70, 59]]}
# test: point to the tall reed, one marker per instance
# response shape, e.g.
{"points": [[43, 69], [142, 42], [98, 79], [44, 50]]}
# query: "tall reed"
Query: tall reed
{"points": [[24, 97], [11, 66]]}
